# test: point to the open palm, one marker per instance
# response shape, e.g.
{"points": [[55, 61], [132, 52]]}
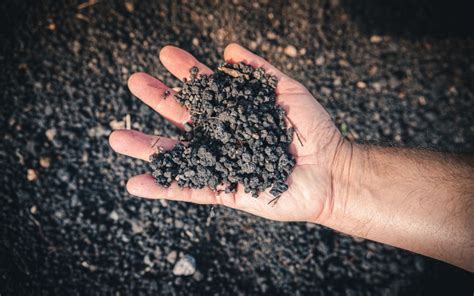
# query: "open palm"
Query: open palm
{"points": [[311, 188]]}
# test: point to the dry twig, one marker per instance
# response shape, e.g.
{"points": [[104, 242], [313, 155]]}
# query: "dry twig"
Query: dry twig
{"points": [[87, 4], [232, 72], [297, 133]]}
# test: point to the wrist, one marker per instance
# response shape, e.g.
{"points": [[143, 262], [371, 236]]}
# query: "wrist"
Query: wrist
{"points": [[415, 200], [348, 176]]}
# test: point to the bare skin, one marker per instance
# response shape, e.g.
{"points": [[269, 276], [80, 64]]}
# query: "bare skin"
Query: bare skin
{"points": [[420, 201]]}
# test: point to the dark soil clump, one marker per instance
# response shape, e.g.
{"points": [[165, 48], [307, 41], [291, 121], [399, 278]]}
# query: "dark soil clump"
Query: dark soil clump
{"points": [[238, 134]]}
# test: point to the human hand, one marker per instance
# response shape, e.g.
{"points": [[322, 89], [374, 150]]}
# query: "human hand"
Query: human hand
{"points": [[320, 155]]}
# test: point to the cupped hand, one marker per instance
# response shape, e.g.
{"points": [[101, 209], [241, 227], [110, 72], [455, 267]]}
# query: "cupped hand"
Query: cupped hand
{"points": [[320, 153]]}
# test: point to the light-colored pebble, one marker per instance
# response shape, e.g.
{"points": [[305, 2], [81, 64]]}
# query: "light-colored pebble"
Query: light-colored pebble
{"points": [[185, 266], [361, 84], [291, 51], [31, 175]]}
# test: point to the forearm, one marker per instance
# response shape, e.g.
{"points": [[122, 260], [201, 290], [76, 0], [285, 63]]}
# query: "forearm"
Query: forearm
{"points": [[417, 200]]}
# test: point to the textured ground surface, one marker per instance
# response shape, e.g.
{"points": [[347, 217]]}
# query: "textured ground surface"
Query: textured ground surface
{"points": [[398, 74]]}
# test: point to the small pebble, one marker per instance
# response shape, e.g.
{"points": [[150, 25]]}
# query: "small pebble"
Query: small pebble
{"points": [[185, 266], [115, 124], [373, 70], [171, 257], [291, 51], [344, 63], [422, 100], [198, 276], [31, 175], [377, 86], [361, 84], [129, 6], [320, 61], [271, 35], [326, 91], [253, 45], [147, 260], [45, 162], [114, 216], [51, 133], [375, 39]]}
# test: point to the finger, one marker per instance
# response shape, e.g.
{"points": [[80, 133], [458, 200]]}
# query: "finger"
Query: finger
{"points": [[234, 53], [179, 62], [145, 186], [137, 144], [152, 92]]}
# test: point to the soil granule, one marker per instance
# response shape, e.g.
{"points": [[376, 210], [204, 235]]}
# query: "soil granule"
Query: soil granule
{"points": [[238, 134]]}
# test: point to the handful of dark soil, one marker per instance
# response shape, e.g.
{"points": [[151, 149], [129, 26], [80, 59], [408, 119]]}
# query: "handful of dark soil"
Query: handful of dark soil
{"points": [[237, 135]]}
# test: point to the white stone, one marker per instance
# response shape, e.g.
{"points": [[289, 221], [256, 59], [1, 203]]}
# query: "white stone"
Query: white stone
{"points": [[185, 266]]}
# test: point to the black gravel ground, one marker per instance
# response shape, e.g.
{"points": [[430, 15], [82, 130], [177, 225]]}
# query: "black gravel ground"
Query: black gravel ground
{"points": [[397, 73]]}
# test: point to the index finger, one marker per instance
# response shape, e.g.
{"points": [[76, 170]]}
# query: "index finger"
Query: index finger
{"points": [[158, 96], [234, 53], [179, 62]]}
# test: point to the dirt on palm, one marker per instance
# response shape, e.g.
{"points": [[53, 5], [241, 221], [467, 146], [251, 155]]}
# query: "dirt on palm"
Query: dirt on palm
{"points": [[237, 134]]}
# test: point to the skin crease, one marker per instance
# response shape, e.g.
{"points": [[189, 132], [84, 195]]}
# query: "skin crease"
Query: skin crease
{"points": [[335, 183]]}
